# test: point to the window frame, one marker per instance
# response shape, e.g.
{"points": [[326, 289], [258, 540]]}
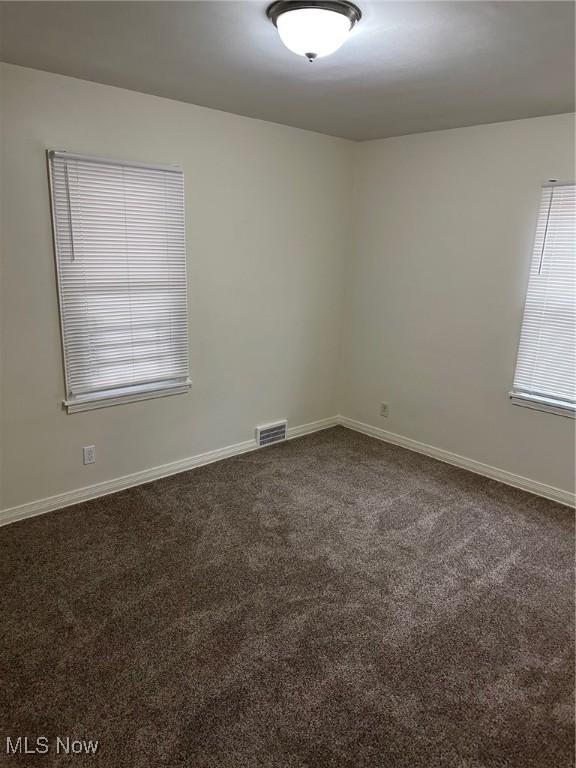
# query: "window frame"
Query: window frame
{"points": [[121, 394], [533, 400]]}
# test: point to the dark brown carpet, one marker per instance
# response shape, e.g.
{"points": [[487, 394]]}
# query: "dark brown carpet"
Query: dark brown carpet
{"points": [[332, 601]]}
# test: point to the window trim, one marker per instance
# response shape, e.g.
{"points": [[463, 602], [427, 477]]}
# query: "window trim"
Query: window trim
{"points": [[121, 395], [116, 395], [546, 404]]}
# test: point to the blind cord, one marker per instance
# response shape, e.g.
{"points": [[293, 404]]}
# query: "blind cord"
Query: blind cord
{"points": [[545, 232], [72, 248]]}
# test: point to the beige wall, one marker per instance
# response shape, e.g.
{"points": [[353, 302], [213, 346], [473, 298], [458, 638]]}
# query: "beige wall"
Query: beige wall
{"points": [[435, 288], [266, 225], [2, 430], [413, 294]]}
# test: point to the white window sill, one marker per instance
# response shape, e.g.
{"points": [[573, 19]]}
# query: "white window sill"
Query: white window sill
{"points": [[559, 407], [124, 395]]}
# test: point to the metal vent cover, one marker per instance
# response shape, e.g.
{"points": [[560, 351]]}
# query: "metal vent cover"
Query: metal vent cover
{"points": [[271, 433]]}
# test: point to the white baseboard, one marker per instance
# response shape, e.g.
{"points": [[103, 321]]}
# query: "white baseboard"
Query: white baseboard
{"points": [[508, 478], [314, 426], [61, 500], [155, 473]]}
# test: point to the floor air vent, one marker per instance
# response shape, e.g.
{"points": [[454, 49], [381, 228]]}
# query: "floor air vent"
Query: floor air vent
{"points": [[271, 433]]}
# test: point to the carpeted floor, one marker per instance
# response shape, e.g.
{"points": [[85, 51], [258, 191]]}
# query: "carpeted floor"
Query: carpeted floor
{"points": [[332, 601]]}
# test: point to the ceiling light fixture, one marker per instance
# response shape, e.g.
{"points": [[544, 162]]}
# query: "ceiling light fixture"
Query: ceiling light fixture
{"points": [[315, 28]]}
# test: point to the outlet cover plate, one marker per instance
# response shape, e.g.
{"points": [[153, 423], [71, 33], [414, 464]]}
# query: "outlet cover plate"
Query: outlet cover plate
{"points": [[89, 452]]}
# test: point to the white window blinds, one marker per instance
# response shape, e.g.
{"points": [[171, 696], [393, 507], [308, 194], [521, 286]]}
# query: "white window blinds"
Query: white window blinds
{"points": [[121, 265], [546, 367]]}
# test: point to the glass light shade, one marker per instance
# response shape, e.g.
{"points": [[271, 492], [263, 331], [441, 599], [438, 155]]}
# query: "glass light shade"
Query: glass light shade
{"points": [[313, 32]]}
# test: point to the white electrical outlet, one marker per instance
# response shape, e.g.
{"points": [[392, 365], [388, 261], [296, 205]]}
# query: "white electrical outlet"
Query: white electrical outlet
{"points": [[89, 454], [384, 409]]}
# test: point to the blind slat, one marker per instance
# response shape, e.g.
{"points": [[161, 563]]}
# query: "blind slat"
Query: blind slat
{"points": [[546, 364], [121, 261]]}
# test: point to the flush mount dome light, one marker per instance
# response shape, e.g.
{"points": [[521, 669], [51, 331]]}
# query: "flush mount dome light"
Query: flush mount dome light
{"points": [[315, 28]]}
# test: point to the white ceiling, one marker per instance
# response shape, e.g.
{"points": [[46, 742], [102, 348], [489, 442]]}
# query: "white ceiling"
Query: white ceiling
{"points": [[408, 66]]}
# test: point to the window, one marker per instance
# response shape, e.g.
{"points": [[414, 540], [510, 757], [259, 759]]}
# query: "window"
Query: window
{"points": [[545, 375], [121, 267]]}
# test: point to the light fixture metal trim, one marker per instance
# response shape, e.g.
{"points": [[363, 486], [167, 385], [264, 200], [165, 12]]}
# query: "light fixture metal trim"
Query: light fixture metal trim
{"points": [[338, 6]]}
